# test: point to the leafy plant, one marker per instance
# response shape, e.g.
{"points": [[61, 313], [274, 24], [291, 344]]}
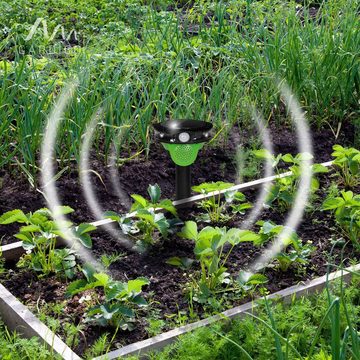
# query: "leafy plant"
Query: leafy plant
{"points": [[120, 302], [296, 254], [145, 221], [107, 260], [213, 247], [283, 192], [347, 214], [215, 207], [347, 163], [249, 283], [38, 235]]}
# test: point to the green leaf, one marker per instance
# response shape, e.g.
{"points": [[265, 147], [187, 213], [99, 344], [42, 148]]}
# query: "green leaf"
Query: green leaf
{"points": [[123, 310], [318, 168], [12, 217], [155, 193], [30, 228], [24, 237], [85, 228], [338, 148], [146, 215], [263, 154], [140, 202], [189, 231], [257, 279], [102, 279], [247, 235], [168, 206], [347, 195], [288, 158], [85, 240], [354, 167], [181, 262], [139, 300], [76, 287], [112, 215], [114, 290], [162, 225], [333, 203], [89, 271], [212, 186], [135, 286], [62, 210]]}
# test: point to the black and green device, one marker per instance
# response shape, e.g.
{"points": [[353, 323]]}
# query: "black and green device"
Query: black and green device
{"points": [[183, 139]]}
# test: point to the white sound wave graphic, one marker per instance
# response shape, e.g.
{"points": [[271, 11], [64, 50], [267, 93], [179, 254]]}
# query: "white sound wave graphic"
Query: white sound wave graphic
{"points": [[51, 194]]}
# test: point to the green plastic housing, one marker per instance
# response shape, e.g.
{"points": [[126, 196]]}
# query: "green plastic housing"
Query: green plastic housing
{"points": [[183, 154]]}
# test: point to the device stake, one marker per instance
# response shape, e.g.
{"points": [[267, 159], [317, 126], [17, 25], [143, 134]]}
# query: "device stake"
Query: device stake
{"points": [[183, 182]]}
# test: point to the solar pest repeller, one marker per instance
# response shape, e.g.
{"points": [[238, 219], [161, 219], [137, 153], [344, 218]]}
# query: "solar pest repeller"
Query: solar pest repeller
{"points": [[183, 139]]}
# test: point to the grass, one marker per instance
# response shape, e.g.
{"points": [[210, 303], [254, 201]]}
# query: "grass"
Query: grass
{"points": [[319, 327], [13, 347], [136, 61]]}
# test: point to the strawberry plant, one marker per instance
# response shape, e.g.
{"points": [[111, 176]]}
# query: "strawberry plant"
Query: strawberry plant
{"points": [[119, 303], [215, 208], [347, 164], [283, 192], [347, 214], [145, 222], [293, 252], [38, 235], [213, 247]]}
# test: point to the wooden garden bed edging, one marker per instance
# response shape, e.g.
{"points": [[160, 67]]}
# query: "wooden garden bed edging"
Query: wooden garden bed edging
{"points": [[160, 341], [17, 317], [14, 251]]}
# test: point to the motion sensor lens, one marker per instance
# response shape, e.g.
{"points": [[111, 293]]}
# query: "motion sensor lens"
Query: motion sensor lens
{"points": [[184, 137]]}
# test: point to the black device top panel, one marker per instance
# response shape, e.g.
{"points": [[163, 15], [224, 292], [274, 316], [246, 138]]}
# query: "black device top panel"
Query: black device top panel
{"points": [[183, 131]]}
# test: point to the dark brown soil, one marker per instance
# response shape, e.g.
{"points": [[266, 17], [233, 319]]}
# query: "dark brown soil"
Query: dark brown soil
{"points": [[213, 164], [165, 292], [166, 289]]}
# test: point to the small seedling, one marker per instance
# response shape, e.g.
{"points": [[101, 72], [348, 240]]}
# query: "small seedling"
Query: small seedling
{"points": [[145, 223], [122, 299], [107, 260], [347, 214], [293, 252], [283, 193], [38, 235], [347, 164], [215, 207], [213, 247]]}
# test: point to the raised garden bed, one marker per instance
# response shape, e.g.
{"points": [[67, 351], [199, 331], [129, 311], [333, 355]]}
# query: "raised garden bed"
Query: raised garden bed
{"points": [[166, 283], [19, 318]]}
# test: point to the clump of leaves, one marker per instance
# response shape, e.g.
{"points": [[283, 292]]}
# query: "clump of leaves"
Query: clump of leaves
{"points": [[38, 235], [108, 259], [120, 302], [283, 192], [347, 214], [347, 164], [213, 247], [145, 224], [215, 208], [293, 251]]}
